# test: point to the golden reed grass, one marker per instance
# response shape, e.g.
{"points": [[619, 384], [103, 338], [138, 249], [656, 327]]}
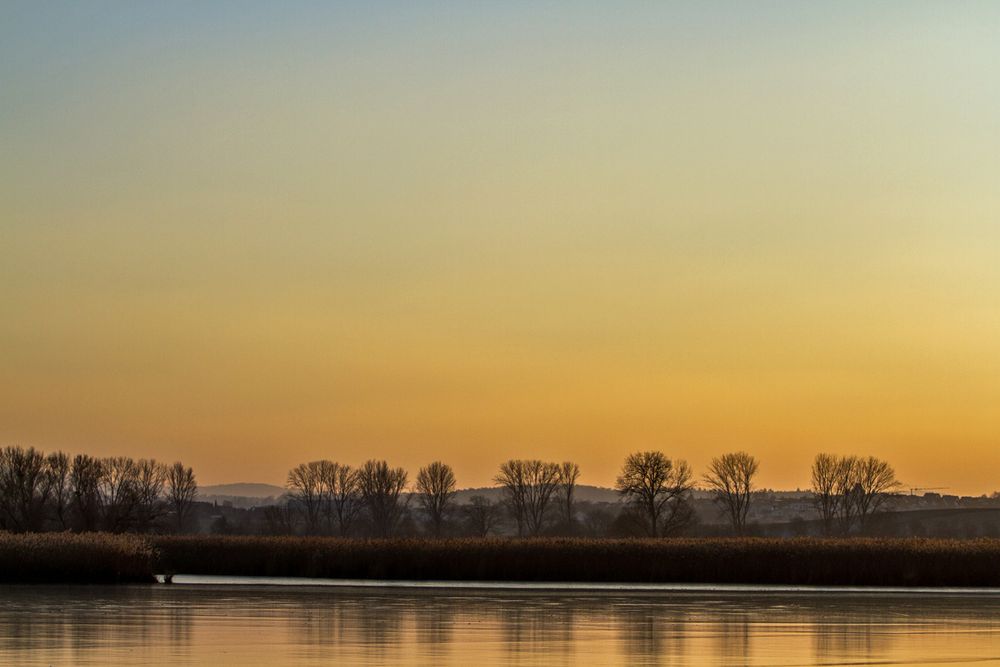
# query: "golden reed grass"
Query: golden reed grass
{"points": [[75, 558], [106, 558]]}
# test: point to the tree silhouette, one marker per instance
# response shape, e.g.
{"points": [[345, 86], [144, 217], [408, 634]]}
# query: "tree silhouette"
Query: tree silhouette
{"points": [[182, 490], [569, 473], [57, 469], [730, 477], [341, 497], [849, 488], [528, 486], [305, 490], [381, 489], [436, 486], [658, 490]]}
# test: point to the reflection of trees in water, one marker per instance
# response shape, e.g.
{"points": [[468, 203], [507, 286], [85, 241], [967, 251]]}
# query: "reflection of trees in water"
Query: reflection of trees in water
{"points": [[380, 625], [901, 626], [736, 630], [178, 624], [651, 632], [840, 631], [130, 616], [384, 628], [732, 634], [321, 621], [435, 620], [536, 626], [131, 624], [74, 627], [367, 626], [524, 628]]}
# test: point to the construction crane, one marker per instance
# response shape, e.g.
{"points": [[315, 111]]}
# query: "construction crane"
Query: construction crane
{"points": [[914, 490]]}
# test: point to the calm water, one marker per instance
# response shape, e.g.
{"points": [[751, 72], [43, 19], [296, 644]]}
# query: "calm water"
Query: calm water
{"points": [[261, 625]]}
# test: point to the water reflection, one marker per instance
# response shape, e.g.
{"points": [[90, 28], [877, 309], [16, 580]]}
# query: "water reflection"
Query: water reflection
{"points": [[866, 631], [732, 635], [282, 626], [649, 635]]}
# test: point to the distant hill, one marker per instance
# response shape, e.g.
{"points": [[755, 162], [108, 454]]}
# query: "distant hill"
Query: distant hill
{"points": [[241, 490]]}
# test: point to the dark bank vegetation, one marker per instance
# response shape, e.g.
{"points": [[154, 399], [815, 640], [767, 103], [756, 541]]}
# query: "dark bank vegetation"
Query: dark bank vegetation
{"points": [[105, 558], [91, 558], [806, 561]]}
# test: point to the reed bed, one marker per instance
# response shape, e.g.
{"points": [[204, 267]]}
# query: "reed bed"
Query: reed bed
{"points": [[87, 558], [805, 561]]}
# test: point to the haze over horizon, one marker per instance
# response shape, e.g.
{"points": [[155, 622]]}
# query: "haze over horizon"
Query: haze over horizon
{"points": [[249, 235]]}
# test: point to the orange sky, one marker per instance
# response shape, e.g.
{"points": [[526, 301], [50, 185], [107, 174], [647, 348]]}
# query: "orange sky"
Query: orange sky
{"points": [[250, 238]]}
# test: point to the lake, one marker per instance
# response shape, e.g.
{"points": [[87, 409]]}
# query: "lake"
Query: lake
{"points": [[209, 622]]}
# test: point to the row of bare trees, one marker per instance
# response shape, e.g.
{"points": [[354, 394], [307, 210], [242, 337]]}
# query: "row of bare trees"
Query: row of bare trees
{"points": [[55, 492], [848, 490], [539, 495], [529, 486], [657, 491], [330, 497], [84, 493]]}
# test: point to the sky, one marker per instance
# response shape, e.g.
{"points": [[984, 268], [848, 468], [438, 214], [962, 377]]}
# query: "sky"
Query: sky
{"points": [[248, 235]]}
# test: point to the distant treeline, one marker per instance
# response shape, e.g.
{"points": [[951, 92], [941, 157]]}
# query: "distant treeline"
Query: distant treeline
{"points": [[538, 497], [41, 492]]}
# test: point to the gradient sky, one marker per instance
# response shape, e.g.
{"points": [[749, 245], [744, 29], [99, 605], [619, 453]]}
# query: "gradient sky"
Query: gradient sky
{"points": [[248, 235]]}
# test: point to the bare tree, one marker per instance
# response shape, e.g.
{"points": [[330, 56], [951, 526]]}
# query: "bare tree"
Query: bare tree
{"points": [[342, 502], [528, 486], [730, 478], [305, 489], [381, 489], [850, 489], [436, 485], [118, 493], [483, 516], [182, 490], [658, 490], [827, 472], [874, 481], [57, 469], [325, 479], [846, 489], [511, 478], [569, 473], [150, 479], [85, 481], [24, 488]]}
